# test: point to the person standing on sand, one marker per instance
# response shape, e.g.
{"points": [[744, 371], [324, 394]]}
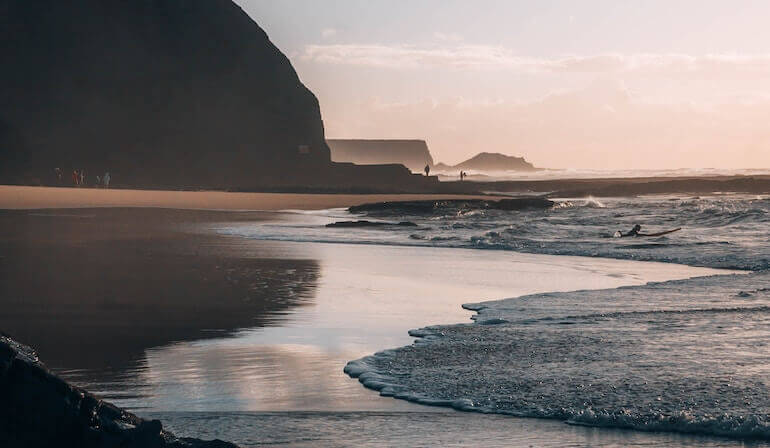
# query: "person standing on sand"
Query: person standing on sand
{"points": [[82, 177], [98, 180], [427, 170], [75, 177], [106, 180]]}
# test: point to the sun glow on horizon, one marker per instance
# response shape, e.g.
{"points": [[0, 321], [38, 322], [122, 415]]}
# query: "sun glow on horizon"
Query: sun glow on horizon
{"points": [[594, 85]]}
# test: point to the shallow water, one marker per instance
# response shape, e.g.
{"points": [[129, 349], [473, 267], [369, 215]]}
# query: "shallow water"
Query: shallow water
{"points": [[687, 356], [415, 428], [725, 231], [365, 298], [280, 381]]}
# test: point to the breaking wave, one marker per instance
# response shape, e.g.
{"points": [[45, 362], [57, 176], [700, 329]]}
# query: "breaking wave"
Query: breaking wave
{"points": [[687, 356]]}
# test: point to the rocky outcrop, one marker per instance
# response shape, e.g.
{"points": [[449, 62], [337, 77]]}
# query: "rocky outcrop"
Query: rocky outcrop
{"points": [[38, 409], [487, 161], [443, 206], [160, 93], [369, 224], [413, 154]]}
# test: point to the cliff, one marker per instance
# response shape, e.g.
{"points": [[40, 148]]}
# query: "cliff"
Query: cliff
{"points": [[160, 93], [38, 409], [487, 161], [413, 154]]}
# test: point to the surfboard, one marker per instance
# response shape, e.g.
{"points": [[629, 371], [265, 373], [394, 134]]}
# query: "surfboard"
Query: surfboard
{"points": [[660, 233]]}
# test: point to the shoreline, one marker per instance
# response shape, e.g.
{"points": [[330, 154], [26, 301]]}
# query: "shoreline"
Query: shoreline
{"points": [[22, 198], [248, 248], [25, 197]]}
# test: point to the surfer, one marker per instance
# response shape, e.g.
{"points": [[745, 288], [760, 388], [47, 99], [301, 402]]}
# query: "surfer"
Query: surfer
{"points": [[637, 228], [632, 232]]}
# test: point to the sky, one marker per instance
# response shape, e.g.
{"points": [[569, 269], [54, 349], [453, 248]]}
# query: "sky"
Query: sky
{"points": [[589, 84]]}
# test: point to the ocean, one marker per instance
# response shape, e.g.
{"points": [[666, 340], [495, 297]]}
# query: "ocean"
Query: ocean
{"points": [[567, 336], [686, 356]]}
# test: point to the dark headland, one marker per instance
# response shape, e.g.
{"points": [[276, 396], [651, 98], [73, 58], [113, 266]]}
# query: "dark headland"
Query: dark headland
{"points": [[162, 94]]}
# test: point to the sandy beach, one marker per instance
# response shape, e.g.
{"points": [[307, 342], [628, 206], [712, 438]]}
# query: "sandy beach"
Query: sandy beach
{"points": [[20, 197]]}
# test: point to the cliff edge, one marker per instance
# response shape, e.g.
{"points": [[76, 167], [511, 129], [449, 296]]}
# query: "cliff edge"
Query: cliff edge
{"points": [[160, 94], [413, 154]]}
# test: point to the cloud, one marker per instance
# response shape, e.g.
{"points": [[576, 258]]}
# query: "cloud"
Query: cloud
{"points": [[447, 37], [602, 126], [487, 57], [327, 33]]}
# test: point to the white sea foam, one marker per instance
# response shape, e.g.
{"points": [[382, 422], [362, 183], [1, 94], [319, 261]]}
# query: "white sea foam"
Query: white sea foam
{"points": [[686, 356], [717, 231]]}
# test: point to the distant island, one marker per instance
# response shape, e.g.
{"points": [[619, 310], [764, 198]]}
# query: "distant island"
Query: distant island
{"points": [[413, 154], [490, 161]]}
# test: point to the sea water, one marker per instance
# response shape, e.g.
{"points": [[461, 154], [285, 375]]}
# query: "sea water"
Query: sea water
{"points": [[687, 356], [665, 364]]}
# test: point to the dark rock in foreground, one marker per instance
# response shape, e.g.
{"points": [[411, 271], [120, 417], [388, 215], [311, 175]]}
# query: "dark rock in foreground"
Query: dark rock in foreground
{"points": [[429, 206], [365, 223], [39, 409]]}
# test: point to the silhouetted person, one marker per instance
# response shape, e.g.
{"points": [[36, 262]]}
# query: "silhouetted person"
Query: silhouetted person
{"points": [[427, 170], [58, 174], [98, 180], [633, 232], [106, 180]]}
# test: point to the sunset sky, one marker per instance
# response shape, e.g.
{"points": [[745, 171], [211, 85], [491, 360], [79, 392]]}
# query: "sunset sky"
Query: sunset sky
{"points": [[567, 84]]}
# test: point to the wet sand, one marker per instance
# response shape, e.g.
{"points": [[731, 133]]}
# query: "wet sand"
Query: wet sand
{"points": [[156, 310], [19, 197]]}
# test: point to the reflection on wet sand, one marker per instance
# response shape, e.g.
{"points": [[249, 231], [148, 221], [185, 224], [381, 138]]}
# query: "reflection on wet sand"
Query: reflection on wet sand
{"points": [[158, 310], [366, 299], [93, 289]]}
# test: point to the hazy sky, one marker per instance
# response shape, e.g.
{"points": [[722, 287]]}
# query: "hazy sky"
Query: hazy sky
{"points": [[582, 84]]}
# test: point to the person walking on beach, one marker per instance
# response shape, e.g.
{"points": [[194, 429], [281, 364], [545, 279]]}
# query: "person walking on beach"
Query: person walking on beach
{"points": [[427, 170], [106, 180], [98, 181], [75, 177], [57, 171], [82, 177]]}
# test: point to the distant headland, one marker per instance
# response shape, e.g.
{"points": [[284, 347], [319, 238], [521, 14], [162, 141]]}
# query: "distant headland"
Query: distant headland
{"points": [[489, 161]]}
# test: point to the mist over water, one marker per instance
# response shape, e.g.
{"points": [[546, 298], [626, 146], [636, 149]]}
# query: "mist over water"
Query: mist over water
{"points": [[572, 173]]}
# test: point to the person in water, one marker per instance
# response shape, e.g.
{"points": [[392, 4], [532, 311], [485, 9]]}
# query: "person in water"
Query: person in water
{"points": [[632, 232]]}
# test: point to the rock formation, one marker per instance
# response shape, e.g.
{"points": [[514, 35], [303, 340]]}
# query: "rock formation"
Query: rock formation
{"points": [[38, 409], [428, 207], [487, 161], [413, 154], [160, 93]]}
